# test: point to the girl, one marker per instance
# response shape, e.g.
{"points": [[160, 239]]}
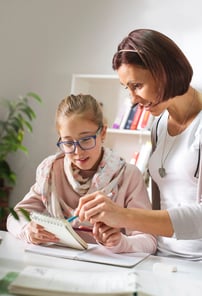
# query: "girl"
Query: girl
{"points": [[84, 166]]}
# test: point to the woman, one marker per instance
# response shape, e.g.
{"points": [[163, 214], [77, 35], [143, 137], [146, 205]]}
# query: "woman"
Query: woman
{"points": [[158, 75], [83, 166]]}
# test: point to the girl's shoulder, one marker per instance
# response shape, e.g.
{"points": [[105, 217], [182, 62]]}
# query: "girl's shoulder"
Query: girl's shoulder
{"points": [[45, 167], [131, 170]]}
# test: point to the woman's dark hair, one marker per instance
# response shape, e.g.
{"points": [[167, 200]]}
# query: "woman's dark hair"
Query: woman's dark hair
{"points": [[160, 55]]}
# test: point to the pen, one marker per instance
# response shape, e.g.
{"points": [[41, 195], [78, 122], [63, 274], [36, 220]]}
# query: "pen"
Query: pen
{"points": [[74, 217]]}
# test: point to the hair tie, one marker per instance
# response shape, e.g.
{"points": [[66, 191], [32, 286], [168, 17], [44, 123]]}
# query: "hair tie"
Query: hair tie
{"points": [[129, 50]]}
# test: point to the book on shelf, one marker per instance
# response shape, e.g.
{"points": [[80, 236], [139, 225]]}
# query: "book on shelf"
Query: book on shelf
{"points": [[133, 117], [141, 158], [44, 281], [133, 110], [94, 254], [122, 114], [136, 118], [145, 120], [117, 122], [62, 229], [134, 157]]}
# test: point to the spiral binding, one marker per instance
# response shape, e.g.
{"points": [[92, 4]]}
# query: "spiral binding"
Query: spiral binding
{"points": [[38, 217]]}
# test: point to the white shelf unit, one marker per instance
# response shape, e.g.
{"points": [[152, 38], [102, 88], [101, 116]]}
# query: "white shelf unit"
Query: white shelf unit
{"points": [[107, 90]]}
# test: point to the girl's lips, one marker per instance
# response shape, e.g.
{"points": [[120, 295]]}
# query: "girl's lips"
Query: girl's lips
{"points": [[81, 160]]}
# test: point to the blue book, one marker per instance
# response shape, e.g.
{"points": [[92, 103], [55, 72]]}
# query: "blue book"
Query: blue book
{"points": [[130, 116]]}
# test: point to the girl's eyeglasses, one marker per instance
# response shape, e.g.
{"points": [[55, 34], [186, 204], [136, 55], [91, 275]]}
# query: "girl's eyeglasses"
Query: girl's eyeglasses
{"points": [[85, 143]]}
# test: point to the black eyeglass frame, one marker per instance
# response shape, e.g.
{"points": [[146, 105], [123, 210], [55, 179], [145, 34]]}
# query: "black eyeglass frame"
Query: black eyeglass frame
{"points": [[77, 143]]}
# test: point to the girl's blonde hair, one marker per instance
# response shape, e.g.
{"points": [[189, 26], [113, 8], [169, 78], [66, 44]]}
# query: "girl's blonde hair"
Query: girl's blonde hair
{"points": [[83, 105]]}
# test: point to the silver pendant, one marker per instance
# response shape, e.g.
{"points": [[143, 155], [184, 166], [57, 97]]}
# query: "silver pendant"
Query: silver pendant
{"points": [[162, 172]]}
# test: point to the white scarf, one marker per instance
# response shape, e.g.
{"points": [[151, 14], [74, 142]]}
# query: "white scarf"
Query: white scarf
{"points": [[105, 178]]}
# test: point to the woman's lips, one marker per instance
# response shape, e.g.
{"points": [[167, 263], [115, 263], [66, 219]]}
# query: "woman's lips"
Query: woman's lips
{"points": [[149, 106]]}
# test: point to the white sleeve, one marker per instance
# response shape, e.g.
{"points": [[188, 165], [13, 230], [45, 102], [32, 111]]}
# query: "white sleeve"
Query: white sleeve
{"points": [[187, 221]]}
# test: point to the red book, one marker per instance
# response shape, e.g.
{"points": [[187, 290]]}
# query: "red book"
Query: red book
{"points": [[136, 118], [145, 118], [134, 158]]}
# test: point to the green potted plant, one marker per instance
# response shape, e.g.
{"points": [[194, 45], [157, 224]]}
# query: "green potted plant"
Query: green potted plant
{"points": [[17, 118]]}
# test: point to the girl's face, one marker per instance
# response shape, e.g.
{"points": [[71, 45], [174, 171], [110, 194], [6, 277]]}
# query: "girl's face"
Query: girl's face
{"points": [[142, 87], [76, 127]]}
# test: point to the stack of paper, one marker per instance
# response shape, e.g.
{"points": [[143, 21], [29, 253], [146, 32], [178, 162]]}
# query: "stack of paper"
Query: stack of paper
{"points": [[44, 281]]}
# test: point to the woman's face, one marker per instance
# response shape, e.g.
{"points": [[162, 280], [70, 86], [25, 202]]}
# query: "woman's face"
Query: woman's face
{"points": [[142, 87], [74, 128]]}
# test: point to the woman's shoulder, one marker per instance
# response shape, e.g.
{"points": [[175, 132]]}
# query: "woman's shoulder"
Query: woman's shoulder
{"points": [[197, 126], [158, 125]]}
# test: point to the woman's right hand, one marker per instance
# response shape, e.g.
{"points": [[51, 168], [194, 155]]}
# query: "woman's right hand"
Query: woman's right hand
{"points": [[36, 234], [98, 207]]}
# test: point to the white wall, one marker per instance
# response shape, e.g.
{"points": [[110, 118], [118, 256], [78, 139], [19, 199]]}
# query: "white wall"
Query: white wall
{"points": [[43, 42]]}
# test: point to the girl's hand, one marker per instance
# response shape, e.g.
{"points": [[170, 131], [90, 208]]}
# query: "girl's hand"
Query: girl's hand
{"points": [[97, 207], [36, 234], [106, 235]]}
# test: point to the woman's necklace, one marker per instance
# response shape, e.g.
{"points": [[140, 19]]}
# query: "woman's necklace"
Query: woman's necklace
{"points": [[162, 170]]}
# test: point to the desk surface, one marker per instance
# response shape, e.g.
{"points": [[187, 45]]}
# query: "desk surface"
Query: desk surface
{"points": [[186, 281]]}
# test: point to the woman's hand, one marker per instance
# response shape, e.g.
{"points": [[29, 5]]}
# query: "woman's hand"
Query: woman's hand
{"points": [[106, 235], [36, 234], [98, 207]]}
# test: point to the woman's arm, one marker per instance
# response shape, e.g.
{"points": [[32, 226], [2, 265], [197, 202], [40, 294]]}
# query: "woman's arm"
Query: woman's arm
{"points": [[97, 207]]}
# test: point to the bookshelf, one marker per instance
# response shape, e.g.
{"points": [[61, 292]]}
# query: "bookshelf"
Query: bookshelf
{"points": [[108, 91]]}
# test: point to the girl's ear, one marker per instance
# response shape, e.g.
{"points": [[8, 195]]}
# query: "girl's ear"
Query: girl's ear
{"points": [[104, 132]]}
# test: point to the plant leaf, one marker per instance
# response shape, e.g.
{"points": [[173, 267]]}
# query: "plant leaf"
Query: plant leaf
{"points": [[13, 212], [35, 96], [25, 213]]}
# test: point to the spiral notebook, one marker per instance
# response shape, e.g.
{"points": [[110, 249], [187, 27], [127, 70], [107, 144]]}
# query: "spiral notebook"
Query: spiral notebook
{"points": [[62, 230], [95, 254]]}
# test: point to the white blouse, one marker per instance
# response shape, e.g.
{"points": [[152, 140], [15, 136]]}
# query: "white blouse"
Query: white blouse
{"points": [[179, 156]]}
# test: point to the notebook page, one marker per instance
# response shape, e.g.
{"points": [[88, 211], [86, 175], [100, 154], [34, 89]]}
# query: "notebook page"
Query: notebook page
{"points": [[94, 253], [61, 228]]}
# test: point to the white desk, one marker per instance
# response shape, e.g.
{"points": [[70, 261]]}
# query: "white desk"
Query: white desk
{"points": [[187, 281]]}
